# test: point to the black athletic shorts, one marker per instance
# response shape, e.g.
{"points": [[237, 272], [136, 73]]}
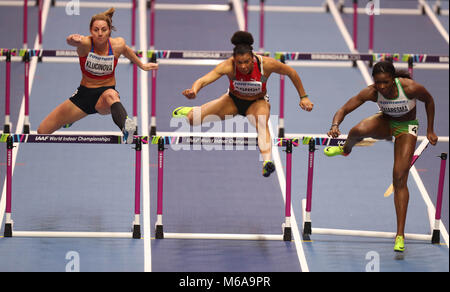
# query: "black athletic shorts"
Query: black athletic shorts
{"points": [[86, 98], [242, 104]]}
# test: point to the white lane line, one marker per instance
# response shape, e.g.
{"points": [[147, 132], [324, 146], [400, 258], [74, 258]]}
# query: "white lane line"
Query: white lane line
{"points": [[145, 147], [435, 20]]}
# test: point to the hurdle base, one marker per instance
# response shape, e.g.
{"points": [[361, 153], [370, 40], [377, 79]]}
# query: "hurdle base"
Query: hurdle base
{"points": [[281, 133], [26, 129], [71, 234], [287, 234], [364, 233], [223, 236], [230, 6], [436, 237], [8, 230], [306, 231], [7, 128], [137, 231], [152, 131], [159, 232]]}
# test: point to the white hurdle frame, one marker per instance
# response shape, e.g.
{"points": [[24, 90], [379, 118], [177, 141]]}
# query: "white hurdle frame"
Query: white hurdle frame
{"points": [[285, 235], [308, 230]]}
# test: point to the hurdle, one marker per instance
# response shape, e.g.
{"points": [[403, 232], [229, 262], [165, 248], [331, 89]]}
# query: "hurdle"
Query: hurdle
{"points": [[231, 140], [339, 59], [436, 238], [262, 8], [10, 139], [54, 3], [308, 230], [47, 56], [371, 9], [153, 6]]}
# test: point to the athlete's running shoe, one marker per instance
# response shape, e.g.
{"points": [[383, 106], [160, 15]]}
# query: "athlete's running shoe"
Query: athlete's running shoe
{"points": [[67, 125], [181, 111], [268, 168], [128, 131], [334, 150], [399, 244]]}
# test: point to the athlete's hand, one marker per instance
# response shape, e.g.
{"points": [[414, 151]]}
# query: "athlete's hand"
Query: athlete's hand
{"points": [[189, 93], [432, 137], [334, 131], [149, 66], [74, 40], [306, 104]]}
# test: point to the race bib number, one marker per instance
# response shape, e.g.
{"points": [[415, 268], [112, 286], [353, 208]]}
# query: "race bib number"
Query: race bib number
{"points": [[248, 87], [99, 65], [413, 129]]}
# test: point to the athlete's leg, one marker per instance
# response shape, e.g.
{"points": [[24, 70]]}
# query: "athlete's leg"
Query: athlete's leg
{"points": [[258, 115], [220, 107], [65, 113], [375, 126], [109, 103], [403, 152]]}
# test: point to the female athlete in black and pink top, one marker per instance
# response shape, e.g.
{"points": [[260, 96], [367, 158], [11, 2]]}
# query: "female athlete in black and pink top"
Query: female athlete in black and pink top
{"points": [[98, 54], [247, 94]]}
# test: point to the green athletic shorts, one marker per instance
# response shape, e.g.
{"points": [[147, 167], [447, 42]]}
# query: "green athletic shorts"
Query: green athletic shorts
{"points": [[407, 127]]}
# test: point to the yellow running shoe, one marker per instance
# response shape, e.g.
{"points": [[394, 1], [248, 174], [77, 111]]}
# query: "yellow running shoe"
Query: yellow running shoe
{"points": [[399, 244], [181, 111], [334, 150]]}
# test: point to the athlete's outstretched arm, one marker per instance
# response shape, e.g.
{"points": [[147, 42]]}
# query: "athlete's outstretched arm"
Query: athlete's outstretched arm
{"points": [[368, 93], [272, 65], [77, 40], [220, 70], [131, 55], [422, 94]]}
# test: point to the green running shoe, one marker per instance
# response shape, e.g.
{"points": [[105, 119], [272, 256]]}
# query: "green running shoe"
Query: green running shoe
{"points": [[268, 168], [399, 244], [181, 111], [334, 150], [67, 126]]}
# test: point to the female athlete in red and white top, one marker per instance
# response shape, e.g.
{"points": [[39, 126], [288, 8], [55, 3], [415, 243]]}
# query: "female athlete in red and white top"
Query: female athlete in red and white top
{"points": [[98, 56], [247, 93]]}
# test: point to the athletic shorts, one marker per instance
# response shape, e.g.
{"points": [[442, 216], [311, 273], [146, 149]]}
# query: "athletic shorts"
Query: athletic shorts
{"points": [[86, 98], [406, 127], [242, 104]]}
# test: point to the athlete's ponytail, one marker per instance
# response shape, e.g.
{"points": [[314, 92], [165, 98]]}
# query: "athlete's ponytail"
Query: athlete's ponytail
{"points": [[388, 67], [242, 42], [106, 16]]}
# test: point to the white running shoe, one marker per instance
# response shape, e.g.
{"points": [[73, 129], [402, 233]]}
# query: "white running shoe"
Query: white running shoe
{"points": [[128, 131]]}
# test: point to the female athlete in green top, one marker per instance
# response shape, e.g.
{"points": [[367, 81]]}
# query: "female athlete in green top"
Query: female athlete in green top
{"points": [[396, 94]]}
